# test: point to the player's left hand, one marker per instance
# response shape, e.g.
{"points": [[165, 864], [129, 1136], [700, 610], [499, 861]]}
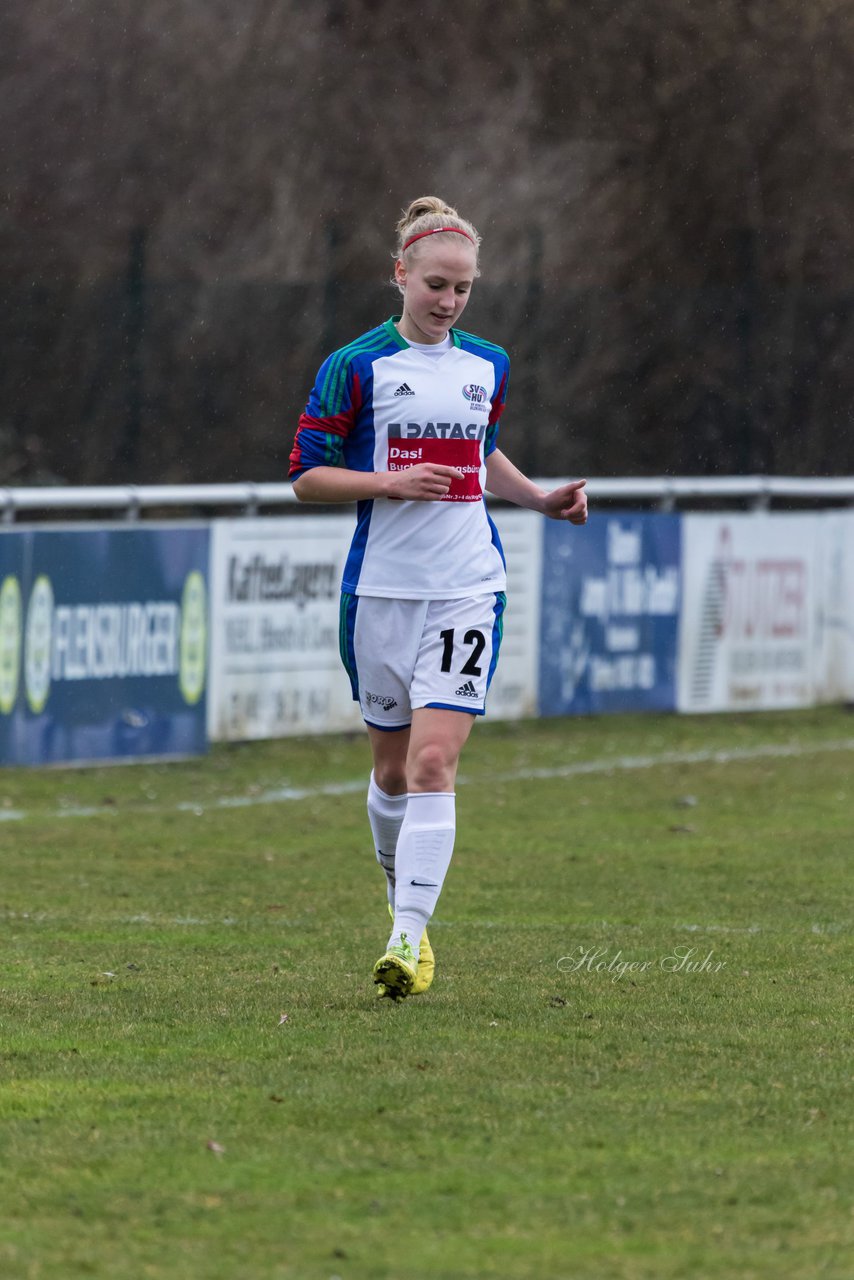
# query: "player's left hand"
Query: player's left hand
{"points": [[568, 502]]}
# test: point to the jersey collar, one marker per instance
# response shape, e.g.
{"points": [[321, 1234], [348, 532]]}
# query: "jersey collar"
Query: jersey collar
{"points": [[397, 338]]}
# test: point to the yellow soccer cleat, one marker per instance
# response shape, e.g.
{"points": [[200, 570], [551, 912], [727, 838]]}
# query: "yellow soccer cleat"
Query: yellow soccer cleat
{"points": [[426, 965], [396, 972]]}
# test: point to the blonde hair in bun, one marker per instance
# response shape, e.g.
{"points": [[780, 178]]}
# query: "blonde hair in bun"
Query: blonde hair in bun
{"points": [[429, 213]]}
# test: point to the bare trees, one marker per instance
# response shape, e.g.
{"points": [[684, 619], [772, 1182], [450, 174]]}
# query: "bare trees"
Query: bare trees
{"points": [[197, 198], [726, 225]]}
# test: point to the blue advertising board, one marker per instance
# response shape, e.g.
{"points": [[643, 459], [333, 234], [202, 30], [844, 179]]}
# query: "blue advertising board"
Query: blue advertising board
{"points": [[610, 613], [103, 643]]}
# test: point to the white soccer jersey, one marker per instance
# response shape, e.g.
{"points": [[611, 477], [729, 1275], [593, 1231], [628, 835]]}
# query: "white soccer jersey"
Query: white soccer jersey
{"points": [[381, 405]]}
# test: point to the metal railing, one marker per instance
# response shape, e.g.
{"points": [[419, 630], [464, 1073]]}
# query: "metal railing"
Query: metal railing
{"points": [[757, 492], [131, 500], [666, 492]]}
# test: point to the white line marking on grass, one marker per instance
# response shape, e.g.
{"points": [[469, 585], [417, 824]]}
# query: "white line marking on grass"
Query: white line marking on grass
{"points": [[58, 919], [277, 795], [621, 927], [769, 750], [619, 764], [721, 928]]}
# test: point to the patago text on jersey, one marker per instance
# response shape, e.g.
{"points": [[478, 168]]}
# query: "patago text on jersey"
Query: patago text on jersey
{"points": [[436, 430]]}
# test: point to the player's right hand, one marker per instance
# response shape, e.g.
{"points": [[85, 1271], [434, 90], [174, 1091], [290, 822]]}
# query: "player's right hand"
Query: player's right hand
{"points": [[425, 482]]}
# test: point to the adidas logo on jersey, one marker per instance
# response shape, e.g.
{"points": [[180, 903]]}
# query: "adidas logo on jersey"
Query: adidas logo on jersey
{"points": [[404, 390], [466, 690]]}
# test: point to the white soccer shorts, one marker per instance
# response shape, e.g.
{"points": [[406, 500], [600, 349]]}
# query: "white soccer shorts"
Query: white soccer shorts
{"points": [[405, 654]]}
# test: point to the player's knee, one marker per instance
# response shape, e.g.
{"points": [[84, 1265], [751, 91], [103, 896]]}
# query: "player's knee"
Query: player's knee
{"points": [[431, 768], [390, 776]]}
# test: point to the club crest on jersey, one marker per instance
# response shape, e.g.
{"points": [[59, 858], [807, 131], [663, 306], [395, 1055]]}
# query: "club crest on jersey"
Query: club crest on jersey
{"points": [[477, 397]]}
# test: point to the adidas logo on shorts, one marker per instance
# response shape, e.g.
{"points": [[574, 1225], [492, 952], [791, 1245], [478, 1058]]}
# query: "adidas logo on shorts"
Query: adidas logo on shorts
{"points": [[404, 390], [466, 690]]}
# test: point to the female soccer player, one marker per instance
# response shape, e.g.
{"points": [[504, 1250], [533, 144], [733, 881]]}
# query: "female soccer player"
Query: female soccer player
{"points": [[404, 421]]}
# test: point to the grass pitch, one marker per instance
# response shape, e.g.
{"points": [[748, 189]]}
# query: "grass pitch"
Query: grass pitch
{"points": [[635, 1062]]}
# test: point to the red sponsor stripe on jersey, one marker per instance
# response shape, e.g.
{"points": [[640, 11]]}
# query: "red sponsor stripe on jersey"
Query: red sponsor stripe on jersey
{"points": [[339, 425], [462, 454]]}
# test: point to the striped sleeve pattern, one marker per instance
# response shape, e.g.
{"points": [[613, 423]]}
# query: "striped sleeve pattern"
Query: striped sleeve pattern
{"points": [[333, 407]]}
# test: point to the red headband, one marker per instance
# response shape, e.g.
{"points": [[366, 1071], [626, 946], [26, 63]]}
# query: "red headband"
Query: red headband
{"points": [[435, 232]]}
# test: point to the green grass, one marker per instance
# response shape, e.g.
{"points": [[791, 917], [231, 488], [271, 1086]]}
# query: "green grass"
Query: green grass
{"points": [[529, 1117]]}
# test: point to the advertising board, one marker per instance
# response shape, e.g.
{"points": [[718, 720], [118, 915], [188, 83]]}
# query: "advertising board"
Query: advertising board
{"points": [[275, 590], [513, 692], [275, 664], [747, 635], [103, 643], [610, 610]]}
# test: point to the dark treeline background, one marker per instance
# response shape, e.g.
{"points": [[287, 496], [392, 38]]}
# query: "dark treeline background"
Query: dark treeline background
{"points": [[197, 200]]}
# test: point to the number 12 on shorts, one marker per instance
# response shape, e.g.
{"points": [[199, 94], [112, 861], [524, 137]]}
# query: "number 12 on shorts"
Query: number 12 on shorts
{"points": [[477, 642]]}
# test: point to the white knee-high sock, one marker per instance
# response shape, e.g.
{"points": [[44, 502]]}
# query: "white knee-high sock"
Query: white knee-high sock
{"points": [[385, 814], [424, 849]]}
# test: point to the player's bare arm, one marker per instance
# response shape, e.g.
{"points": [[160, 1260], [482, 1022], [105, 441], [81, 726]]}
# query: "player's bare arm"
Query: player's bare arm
{"points": [[505, 480], [425, 482]]}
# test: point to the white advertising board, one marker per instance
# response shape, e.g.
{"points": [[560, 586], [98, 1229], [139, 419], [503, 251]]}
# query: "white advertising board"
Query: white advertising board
{"points": [[513, 692], [275, 589], [747, 631], [835, 613]]}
